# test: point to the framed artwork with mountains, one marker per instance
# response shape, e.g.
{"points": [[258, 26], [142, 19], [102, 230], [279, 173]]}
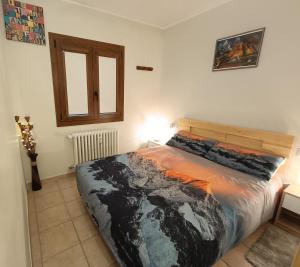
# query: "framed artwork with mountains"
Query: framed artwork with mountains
{"points": [[238, 51]]}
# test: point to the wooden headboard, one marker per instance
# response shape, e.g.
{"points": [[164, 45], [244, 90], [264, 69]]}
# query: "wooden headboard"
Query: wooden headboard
{"points": [[275, 143]]}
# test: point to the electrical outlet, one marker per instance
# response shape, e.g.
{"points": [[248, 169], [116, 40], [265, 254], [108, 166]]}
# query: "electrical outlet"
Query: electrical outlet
{"points": [[298, 151]]}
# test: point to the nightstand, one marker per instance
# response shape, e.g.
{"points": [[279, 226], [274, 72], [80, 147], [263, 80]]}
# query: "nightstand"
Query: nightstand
{"points": [[153, 143], [288, 213]]}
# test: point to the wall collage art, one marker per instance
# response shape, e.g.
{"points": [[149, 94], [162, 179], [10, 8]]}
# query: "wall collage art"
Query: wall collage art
{"points": [[24, 22]]}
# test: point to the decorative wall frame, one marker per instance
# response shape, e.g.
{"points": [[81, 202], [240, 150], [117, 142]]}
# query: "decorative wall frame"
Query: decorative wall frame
{"points": [[24, 22], [238, 51]]}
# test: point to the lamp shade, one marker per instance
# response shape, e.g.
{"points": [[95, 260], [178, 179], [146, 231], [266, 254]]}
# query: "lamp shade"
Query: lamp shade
{"points": [[156, 128]]}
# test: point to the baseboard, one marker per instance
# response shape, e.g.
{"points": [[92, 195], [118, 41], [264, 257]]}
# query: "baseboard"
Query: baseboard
{"points": [[57, 176], [28, 185]]}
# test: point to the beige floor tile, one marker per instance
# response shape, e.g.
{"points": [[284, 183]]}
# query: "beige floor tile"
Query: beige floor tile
{"points": [[48, 201], [57, 239], [37, 263], [67, 181], [31, 205], [115, 264], [76, 208], [250, 240], [236, 257], [70, 194], [52, 217], [35, 247], [97, 253], [30, 194], [85, 227], [33, 225], [220, 263], [47, 187], [49, 180], [72, 257]]}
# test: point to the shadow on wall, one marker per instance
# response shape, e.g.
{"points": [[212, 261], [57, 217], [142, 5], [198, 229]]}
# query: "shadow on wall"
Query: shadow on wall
{"points": [[294, 168]]}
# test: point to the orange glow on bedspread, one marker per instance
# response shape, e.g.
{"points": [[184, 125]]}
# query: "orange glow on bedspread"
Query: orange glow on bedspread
{"points": [[185, 179], [201, 173]]}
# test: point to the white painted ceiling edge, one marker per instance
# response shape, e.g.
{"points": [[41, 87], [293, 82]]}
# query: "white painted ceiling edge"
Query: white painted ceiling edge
{"points": [[152, 13]]}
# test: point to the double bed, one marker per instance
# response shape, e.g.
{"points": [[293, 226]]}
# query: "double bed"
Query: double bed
{"points": [[165, 206]]}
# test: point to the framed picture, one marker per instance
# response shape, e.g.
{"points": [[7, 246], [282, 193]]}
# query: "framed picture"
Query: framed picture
{"points": [[24, 22], [238, 51]]}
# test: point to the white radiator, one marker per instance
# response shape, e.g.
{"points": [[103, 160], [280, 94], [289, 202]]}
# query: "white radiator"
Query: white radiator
{"points": [[94, 144]]}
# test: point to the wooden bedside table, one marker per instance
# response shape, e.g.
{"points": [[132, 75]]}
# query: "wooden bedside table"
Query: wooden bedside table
{"points": [[288, 213], [153, 143]]}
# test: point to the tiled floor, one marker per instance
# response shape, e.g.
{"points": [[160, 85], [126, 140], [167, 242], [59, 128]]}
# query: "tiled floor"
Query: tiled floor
{"points": [[63, 235]]}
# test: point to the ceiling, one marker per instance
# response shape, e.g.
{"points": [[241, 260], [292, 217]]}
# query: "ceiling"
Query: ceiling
{"points": [[158, 13]]}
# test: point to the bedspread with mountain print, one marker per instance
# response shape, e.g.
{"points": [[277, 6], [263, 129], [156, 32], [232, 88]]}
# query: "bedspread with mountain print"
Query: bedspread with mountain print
{"points": [[151, 213]]}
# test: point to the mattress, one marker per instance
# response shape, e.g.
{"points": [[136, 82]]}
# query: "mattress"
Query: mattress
{"points": [[162, 207]]}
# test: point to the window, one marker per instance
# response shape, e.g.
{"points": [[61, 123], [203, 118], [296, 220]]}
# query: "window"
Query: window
{"points": [[88, 80]]}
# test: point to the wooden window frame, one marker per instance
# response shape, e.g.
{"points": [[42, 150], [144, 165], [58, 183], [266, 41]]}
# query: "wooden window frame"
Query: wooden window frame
{"points": [[93, 49]]}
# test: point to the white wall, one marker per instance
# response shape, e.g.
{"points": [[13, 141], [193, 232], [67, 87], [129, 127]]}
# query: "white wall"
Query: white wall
{"points": [[29, 73], [266, 97], [14, 239]]}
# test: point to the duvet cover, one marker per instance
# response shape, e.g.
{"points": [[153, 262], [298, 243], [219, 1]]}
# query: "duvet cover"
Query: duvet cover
{"points": [[163, 207]]}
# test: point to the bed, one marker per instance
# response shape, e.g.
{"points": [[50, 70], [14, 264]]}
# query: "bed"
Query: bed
{"points": [[164, 206]]}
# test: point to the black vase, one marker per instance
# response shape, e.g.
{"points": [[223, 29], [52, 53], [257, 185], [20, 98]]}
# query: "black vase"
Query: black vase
{"points": [[35, 180]]}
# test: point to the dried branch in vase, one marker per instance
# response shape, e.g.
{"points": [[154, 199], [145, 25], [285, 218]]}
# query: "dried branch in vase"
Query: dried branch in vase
{"points": [[26, 134]]}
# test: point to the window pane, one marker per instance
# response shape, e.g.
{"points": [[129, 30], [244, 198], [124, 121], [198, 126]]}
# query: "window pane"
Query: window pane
{"points": [[76, 83], [107, 81]]}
